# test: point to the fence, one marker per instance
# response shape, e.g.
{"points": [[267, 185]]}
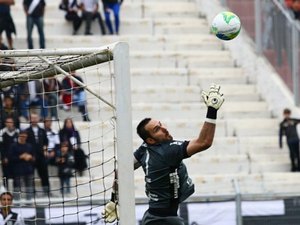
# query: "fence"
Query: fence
{"points": [[276, 35]]}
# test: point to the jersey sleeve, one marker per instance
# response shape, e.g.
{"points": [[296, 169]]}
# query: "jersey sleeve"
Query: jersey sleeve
{"points": [[176, 152], [138, 155]]}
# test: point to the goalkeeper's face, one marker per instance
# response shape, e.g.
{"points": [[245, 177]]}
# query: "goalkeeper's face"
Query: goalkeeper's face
{"points": [[158, 132]]}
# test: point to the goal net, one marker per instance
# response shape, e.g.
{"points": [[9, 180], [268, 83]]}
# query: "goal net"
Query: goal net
{"points": [[81, 99]]}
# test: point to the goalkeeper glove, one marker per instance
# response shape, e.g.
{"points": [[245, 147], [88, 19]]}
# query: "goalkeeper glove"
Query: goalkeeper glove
{"points": [[213, 98], [110, 212]]}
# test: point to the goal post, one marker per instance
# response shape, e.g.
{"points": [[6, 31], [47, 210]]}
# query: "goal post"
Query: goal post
{"points": [[124, 128], [23, 66]]}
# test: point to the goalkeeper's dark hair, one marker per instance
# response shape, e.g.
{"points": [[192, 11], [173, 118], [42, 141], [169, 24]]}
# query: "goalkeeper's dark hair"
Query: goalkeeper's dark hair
{"points": [[140, 129], [287, 111]]}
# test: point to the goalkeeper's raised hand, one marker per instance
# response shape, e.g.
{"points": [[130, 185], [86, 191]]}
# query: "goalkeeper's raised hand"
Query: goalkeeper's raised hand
{"points": [[110, 212], [213, 98]]}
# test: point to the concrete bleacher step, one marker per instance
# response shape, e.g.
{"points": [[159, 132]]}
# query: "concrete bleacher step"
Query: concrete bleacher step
{"points": [[184, 94], [222, 184], [205, 164], [183, 76], [205, 184], [129, 26], [222, 145], [192, 110], [136, 41], [128, 10], [253, 127], [59, 26], [163, 9], [180, 59], [263, 144]]}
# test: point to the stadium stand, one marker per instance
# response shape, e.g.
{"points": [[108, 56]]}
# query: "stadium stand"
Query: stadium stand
{"points": [[174, 57]]}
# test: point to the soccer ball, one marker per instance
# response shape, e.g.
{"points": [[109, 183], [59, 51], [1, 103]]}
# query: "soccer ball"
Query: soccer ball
{"points": [[226, 26]]}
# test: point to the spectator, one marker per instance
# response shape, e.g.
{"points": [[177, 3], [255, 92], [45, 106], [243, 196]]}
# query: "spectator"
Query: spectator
{"points": [[37, 137], [7, 216], [289, 3], [34, 11], [89, 13], [53, 141], [294, 6], [9, 110], [65, 163], [66, 93], [9, 135], [51, 94], [70, 134], [22, 95], [80, 98], [37, 97], [6, 21], [21, 156], [71, 7], [74, 93], [114, 7], [296, 9], [29, 95], [288, 127]]}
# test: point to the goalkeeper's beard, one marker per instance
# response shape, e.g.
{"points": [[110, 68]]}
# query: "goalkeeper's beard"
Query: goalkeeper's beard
{"points": [[165, 138]]}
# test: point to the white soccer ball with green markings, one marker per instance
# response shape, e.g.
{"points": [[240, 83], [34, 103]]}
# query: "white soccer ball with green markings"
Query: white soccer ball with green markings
{"points": [[226, 25]]}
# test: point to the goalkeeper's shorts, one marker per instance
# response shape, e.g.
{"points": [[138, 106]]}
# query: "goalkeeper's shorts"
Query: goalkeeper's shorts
{"points": [[149, 219]]}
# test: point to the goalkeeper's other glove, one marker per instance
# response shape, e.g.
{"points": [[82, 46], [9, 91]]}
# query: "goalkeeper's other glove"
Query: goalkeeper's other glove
{"points": [[213, 98], [110, 212]]}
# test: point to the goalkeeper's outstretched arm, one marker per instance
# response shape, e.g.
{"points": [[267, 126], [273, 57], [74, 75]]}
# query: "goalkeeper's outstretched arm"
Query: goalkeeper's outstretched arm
{"points": [[213, 100]]}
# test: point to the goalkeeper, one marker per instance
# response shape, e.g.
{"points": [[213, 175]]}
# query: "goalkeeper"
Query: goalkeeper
{"points": [[166, 176]]}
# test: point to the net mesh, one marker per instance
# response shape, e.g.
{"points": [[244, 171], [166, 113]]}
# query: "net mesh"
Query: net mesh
{"points": [[82, 94]]}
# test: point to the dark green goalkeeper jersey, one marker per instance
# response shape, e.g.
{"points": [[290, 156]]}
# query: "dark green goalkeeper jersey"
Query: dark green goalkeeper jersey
{"points": [[166, 176]]}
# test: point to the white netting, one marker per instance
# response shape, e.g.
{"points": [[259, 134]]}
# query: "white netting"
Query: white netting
{"points": [[41, 84]]}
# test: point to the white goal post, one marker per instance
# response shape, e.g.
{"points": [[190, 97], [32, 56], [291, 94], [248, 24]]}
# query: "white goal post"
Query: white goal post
{"points": [[27, 65]]}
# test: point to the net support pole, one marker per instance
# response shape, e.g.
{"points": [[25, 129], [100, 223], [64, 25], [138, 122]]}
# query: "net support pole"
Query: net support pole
{"points": [[295, 63], [258, 28], [238, 202], [124, 134]]}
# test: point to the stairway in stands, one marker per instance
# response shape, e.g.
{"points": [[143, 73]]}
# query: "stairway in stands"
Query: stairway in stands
{"points": [[173, 58]]}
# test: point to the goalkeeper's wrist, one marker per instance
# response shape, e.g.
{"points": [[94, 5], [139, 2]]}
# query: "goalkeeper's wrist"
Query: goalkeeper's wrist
{"points": [[211, 113]]}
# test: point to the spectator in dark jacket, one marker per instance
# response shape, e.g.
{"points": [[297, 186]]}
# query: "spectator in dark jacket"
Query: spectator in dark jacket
{"points": [[22, 158], [288, 127], [71, 135], [8, 135], [37, 137], [65, 164], [9, 109], [71, 7], [6, 21]]}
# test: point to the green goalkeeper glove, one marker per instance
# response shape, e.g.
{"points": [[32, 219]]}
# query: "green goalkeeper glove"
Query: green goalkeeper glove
{"points": [[213, 98], [110, 212]]}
